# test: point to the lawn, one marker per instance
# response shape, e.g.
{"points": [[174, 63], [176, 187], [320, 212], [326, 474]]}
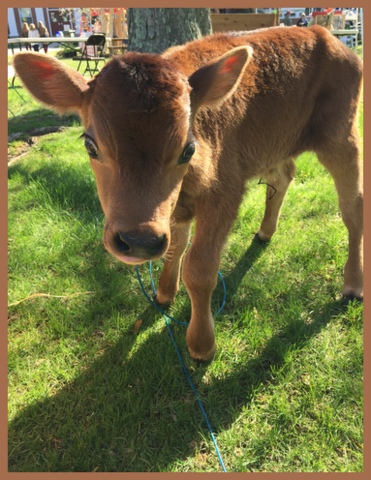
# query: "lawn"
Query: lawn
{"points": [[95, 383]]}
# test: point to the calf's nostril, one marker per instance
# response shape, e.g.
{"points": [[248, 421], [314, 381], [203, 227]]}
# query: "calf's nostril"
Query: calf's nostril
{"points": [[158, 244], [143, 246], [121, 243]]}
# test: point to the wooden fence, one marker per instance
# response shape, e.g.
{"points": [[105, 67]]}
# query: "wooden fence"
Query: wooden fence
{"points": [[243, 21]]}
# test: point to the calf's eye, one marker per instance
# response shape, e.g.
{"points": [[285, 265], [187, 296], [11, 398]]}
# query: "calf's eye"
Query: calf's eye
{"points": [[187, 153], [91, 148]]}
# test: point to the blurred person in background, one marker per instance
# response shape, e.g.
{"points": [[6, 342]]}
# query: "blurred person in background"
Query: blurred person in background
{"points": [[34, 33], [24, 34], [287, 20], [302, 22], [43, 34]]}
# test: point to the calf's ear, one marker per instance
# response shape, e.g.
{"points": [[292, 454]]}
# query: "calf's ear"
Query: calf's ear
{"points": [[51, 82], [217, 80]]}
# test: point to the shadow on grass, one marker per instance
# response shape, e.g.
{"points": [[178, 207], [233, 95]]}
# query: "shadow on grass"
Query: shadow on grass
{"points": [[37, 118], [123, 413], [243, 265], [69, 187]]}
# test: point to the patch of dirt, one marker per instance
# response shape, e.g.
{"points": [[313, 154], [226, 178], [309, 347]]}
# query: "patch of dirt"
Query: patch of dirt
{"points": [[26, 140]]}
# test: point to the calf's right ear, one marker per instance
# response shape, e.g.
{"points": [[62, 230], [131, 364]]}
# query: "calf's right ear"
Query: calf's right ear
{"points": [[50, 81], [217, 80]]}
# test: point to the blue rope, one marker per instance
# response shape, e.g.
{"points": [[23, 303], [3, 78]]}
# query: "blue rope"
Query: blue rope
{"points": [[161, 310], [169, 317]]}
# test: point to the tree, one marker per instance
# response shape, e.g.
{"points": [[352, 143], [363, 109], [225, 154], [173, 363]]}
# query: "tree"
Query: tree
{"points": [[153, 30]]}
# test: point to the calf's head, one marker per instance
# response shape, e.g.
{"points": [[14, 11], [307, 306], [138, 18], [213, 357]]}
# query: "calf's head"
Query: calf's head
{"points": [[138, 116]]}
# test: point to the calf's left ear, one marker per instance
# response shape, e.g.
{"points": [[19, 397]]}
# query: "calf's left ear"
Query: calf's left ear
{"points": [[50, 81], [217, 80]]}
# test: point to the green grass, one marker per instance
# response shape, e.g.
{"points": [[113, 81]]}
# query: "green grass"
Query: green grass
{"points": [[86, 393]]}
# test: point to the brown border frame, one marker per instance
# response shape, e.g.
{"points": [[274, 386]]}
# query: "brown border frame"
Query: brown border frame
{"points": [[4, 474]]}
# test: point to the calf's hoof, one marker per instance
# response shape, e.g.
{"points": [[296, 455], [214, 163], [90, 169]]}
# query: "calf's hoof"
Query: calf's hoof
{"points": [[163, 301], [347, 299], [203, 356], [350, 294], [262, 237], [162, 305]]}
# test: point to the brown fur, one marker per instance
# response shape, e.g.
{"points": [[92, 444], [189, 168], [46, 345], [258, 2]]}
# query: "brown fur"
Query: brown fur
{"points": [[253, 102]]}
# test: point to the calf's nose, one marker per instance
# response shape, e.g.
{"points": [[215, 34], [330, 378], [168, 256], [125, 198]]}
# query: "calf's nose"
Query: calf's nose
{"points": [[140, 246]]}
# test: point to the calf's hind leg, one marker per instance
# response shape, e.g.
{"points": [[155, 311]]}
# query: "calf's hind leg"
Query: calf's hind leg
{"points": [[345, 166], [278, 181]]}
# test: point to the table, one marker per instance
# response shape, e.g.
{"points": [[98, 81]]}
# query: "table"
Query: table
{"points": [[345, 32], [65, 41]]}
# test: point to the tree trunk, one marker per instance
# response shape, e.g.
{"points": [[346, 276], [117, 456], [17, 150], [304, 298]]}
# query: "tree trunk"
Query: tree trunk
{"points": [[153, 30]]}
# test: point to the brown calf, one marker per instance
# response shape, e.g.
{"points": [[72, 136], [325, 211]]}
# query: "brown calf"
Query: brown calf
{"points": [[176, 136]]}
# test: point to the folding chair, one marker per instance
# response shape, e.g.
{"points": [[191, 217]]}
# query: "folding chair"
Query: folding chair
{"points": [[11, 86], [92, 52]]}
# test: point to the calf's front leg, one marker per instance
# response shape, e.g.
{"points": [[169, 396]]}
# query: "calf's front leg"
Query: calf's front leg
{"points": [[200, 275]]}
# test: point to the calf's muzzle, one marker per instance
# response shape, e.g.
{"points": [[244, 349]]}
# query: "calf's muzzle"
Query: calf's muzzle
{"points": [[137, 248]]}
